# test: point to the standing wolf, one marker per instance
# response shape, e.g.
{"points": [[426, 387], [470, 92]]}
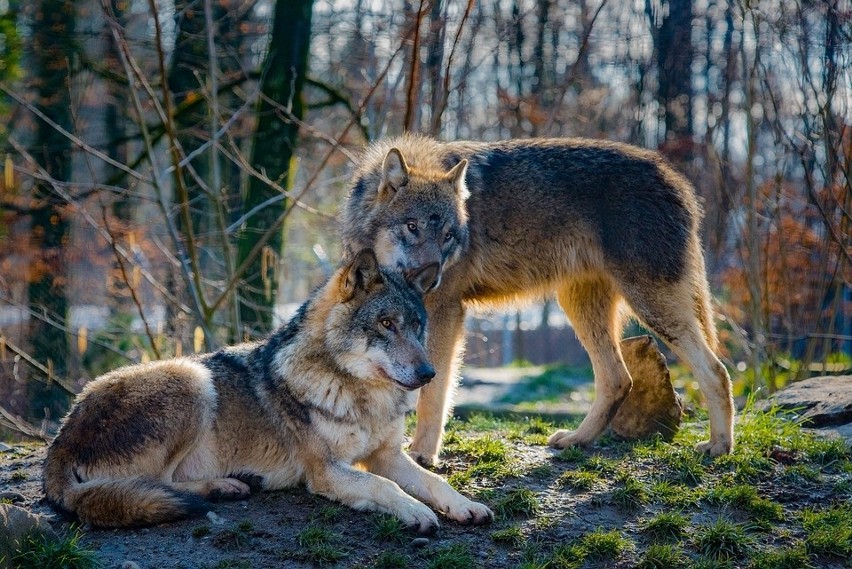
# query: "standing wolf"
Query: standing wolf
{"points": [[151, 443], [610, 229]]}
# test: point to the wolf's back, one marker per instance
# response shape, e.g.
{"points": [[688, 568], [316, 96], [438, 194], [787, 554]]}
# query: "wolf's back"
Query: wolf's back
{"points": [[117, 502]]}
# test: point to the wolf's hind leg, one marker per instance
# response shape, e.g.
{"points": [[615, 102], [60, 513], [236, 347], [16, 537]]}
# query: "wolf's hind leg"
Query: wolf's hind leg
{"points": [[665, 309], [592, 306], [434, 404]]}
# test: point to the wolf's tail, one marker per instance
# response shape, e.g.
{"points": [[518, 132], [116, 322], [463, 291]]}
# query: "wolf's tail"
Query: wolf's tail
{"points": [[118, 502]]}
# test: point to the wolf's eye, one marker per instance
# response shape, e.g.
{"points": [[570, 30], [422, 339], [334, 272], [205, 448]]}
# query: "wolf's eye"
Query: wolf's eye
{"points": [[388, 324], [448, 237], [412, 227]]}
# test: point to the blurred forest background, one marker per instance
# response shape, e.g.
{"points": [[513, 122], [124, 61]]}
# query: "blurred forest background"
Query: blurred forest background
{"points": [[172, 169]]}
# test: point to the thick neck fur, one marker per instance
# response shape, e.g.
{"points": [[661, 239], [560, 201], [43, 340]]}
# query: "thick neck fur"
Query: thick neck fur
{"points": [[305, 373]]}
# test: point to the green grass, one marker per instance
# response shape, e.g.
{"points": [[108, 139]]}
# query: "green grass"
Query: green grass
{"points": [[663, 556], [540, 471], [572, 454], [676, 496], [828, 531], [665, 526], [683, 465], [231, 539], [600, 464], [387, 528], [578, 480], [390, 560], [321, 545], [722, 540], [571, 556], [746, 498], [517, 502], [795, 557], [42, 552], [661, 501], [601, 544], [490, 458], [746, 465], [327, 512], [455, 556], [511, 535], [631, 495], [801, 473]]}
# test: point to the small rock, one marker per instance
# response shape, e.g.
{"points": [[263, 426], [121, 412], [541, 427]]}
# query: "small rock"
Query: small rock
{"points": [[652, 406], [215, 519], [12, 496], [420, 542], [16, 524], [6, 448], [130, 565]]}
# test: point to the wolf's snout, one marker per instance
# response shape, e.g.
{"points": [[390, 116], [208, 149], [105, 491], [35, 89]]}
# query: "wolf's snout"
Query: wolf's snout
{"points": [[425, 372], [424, 278]]}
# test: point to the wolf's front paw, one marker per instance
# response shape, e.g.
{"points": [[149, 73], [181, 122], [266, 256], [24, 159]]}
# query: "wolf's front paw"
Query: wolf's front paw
{"points": [[564, 439], [227, 489], [418, 517], [470, 513], [424, 460], [715, 447]]}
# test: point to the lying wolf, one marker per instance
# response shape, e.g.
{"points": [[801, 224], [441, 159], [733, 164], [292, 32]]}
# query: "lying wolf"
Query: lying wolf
{"points": [[152, 443], [610, 229]]}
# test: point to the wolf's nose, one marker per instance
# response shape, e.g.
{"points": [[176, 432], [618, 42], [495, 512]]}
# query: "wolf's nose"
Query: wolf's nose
{"points": [[425, 373]]}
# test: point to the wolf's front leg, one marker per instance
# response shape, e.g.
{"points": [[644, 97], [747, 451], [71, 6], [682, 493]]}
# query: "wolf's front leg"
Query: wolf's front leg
{"points": [[394, 464], [445, 344], [366, 491]]}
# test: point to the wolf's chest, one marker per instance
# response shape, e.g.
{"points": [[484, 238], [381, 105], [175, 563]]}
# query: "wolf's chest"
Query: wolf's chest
{"points": [[354, 440]]}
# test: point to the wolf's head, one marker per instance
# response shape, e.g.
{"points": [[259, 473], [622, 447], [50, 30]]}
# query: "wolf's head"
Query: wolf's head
{"points": [[377, 328], [414, 219]]}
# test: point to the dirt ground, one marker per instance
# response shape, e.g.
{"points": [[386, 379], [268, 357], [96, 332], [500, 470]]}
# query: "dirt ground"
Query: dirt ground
{"points": [[261, 532], [599, 501]]}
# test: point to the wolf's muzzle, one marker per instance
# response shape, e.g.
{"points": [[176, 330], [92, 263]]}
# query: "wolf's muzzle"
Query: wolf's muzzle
{"points": [[424, 373]]}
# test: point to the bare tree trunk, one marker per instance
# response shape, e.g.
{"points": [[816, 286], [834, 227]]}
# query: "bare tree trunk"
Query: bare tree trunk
{"points": [[53, 29], [115, 122], [673, 42], [274, 145], [434, 65]]}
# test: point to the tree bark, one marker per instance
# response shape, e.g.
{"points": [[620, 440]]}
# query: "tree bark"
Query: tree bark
{"points": [[53, 28], [273, 149], [673, 38]]}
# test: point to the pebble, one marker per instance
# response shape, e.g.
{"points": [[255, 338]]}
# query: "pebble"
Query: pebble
{"points": [[130, 565], [420, 542], [215, 519]]}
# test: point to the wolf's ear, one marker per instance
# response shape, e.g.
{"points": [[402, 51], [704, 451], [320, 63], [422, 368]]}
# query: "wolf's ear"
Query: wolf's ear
{"points": [[362, 274], [394, 172], [456, 175]]}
